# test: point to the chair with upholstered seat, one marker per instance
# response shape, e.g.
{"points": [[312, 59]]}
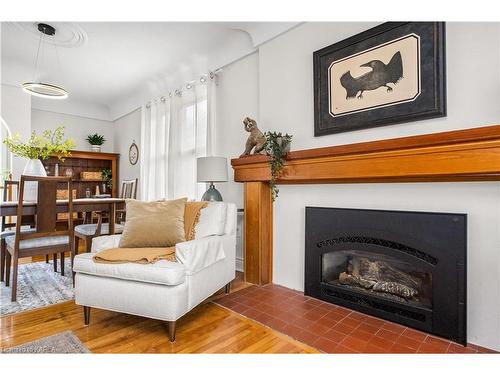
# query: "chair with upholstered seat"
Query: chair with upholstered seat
{"points": [[10, 193], [45, 239], [87, 232]]}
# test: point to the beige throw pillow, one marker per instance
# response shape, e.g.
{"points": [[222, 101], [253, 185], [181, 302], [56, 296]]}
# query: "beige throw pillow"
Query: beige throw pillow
{"points": [[154, 224]]}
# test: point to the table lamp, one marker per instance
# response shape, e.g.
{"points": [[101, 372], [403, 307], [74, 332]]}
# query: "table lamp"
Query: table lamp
{"points": [[212, 169]]}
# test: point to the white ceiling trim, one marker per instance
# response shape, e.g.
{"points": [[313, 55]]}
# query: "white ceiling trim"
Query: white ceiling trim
{"points": [[120, 66]]}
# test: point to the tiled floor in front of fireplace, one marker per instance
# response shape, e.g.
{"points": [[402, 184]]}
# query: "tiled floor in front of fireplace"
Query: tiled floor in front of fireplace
{"points": [[331, 328]]}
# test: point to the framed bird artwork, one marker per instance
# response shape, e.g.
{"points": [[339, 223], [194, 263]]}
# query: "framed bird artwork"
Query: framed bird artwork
{"points": [[392, 73]]}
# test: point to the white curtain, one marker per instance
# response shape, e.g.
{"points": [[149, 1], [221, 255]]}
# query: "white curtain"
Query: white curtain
{"points": [[174, 132]]}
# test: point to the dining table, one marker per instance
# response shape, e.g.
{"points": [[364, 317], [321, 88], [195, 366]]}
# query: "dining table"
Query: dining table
{"points": [[9, 208]]}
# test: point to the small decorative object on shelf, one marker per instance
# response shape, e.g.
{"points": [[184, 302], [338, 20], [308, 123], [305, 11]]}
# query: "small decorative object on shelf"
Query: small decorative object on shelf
{"points": [[56, 169], [256, 139], [107, 178], [68, 172], [90, 175], [133, 153], [36, 149], [87, 193], [95, 141], [277, 146]]}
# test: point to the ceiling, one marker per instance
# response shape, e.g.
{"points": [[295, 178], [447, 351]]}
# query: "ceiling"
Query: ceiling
{"points": [[104, 63]]}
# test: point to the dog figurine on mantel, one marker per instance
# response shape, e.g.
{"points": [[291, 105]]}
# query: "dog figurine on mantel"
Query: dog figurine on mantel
{"points": [[256, 139]]}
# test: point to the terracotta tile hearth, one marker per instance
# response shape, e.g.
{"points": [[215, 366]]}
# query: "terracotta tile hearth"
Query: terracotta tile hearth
{"points": [[331, 328]]}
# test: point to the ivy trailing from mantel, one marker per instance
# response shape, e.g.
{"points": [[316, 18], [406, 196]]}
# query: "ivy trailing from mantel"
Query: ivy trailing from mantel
{"points": [[277, 146]]}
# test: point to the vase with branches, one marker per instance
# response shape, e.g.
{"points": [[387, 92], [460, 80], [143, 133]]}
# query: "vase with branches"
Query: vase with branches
{"points": [[277, 146], [37, 148]]}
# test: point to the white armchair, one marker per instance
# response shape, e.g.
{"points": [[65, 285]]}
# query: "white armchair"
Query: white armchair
{"points": [[163, 290]]}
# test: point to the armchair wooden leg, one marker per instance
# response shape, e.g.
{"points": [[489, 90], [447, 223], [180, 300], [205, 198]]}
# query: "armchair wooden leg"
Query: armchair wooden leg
{"points": [[54, 258], [46, 258], [227, 288], [7, 268], [2, 260], [171, 330], [86, 315], [14, 278]]}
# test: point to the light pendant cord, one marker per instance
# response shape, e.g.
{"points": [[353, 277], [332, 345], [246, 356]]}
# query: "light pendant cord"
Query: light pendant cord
{"points": [[36, 58], [57, 55]]}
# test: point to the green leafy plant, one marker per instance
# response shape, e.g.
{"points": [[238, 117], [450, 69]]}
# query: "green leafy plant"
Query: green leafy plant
{"points": [[277, 145], [95, 139], [41, 146], [106, 177]]}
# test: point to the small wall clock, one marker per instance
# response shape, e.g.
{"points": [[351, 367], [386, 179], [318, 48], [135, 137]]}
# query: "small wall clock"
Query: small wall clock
{"points": [[133, 153]]}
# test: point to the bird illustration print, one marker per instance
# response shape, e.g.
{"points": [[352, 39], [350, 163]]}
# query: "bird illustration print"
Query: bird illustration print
{"points": [[380, 76]]}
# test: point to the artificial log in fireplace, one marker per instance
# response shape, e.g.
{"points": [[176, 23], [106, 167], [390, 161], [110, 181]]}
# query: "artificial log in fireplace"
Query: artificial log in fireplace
{"points": [[407, 267]]}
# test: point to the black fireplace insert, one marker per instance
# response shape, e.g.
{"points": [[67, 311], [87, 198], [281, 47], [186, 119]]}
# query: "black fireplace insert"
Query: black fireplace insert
{"points": [[406, 267]]}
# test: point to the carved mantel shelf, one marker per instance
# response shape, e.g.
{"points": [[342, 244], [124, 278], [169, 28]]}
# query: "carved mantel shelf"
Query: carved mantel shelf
{"points": [[461, 155]]}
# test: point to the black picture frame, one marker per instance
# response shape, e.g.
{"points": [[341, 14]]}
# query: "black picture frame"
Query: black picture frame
{"points": [[431, 99]]}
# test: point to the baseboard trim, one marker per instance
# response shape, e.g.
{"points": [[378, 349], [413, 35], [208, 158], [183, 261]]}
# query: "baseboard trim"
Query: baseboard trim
{"points": [[239, 264]]}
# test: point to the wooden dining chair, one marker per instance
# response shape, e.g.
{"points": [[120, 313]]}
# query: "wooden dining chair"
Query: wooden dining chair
{"points": [[128, 191], [45, 239], [11, 193], [87, 232]]}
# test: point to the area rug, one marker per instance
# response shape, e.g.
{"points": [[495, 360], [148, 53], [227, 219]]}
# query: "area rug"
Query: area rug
{"points": [[62, 343], [37, 286]]}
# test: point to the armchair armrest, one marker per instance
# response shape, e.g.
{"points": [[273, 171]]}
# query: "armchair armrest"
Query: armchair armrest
{"points": [[105, 242], [201, 253]]}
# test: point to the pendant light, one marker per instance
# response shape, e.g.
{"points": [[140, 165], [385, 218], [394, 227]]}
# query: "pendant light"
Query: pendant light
{"points": [[40, 89]]}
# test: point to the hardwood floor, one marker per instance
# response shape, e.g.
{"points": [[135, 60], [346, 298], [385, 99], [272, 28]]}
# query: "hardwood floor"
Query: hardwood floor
{"points": [[207, 329]]}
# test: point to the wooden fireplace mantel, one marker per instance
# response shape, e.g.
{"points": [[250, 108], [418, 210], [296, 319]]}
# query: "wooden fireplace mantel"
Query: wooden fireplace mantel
{"points": [[461, 155]]}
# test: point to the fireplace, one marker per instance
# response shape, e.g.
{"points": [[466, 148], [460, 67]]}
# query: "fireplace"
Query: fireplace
{"points": [[406, 267]]}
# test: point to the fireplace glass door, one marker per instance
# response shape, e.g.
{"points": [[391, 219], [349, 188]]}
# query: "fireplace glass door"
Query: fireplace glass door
{"points": [[378, 275]]}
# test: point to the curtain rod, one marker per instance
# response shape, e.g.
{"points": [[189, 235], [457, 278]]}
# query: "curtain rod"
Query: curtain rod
{"points": [[189, 85]]}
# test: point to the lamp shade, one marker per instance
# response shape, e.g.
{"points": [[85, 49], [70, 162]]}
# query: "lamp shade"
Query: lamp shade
{"points": [[212, 169]]}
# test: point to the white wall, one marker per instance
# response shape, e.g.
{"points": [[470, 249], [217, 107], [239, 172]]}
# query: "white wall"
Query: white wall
{"points": [[76, 127], [237, 98], [126, 130], [16, 111], [286, 104]]}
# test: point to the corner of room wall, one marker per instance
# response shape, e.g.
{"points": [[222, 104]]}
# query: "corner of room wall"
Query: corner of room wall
{"points": [[127, 129]]}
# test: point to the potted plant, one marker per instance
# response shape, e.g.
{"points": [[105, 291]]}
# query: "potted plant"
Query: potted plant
{"points": [[277, 146], [106, 178], [95, 141], [37, 148]]}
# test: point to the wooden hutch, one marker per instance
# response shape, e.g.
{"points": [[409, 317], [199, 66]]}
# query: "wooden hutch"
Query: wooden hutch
{"points": [[86, 161]]}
